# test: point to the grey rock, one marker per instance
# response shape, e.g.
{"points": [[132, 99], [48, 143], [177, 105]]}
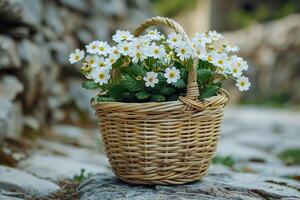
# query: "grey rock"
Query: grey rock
{"points": [[214, 186], [53, 19], [82, 97], [58, 167], [16, 180], [8, 56], [11, 9], [79, 5], [4, 194], [4, 197], [86, 155], [10, 87], [76, 135], [240, 152], [11, 122], [116, 8], [32, 12]]}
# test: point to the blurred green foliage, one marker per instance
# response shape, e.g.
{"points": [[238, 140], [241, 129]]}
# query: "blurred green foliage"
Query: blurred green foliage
{"points": [[249, 12], [290, 156], [170, 8], [226, 161]]}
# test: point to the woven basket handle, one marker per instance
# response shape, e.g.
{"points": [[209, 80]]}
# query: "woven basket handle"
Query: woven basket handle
{"points": [[192, 91]]}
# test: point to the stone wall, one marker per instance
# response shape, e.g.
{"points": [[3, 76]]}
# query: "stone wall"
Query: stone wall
{"points": [[37, 85]]}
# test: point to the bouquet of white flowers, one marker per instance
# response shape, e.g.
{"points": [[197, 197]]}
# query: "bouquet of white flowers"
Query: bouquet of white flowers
{"points": [[153, 67]]}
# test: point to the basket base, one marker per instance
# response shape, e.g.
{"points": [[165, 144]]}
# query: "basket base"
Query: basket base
{"points": [[161, 180]]}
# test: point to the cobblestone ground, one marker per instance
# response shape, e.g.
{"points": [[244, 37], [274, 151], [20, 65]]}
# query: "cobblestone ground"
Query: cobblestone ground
{"points": [[257, 158]]}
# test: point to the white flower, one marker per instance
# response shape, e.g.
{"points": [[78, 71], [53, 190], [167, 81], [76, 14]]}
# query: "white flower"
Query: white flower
{"points": [[201, 39], [138, 55], [200, 52], [114, 52], [91, 59], [92, 47], [214, 35], [157, 52], [124, 48], [137, 43], [172, 75], [243, 83], [184, 51], [150, 79], [101, 75], [103, 48], [110, 61], [231, 48], [99, 62], [219, 59], [153, 35], [122, 35], [239, 62], [235, 71], [174, 39], [76, 56]]}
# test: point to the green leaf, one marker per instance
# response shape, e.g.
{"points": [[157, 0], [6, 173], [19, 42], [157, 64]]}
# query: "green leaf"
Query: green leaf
{"points": [[117, 91], [167, 90], [132, 84], [105, 99], [138, 70], [158, 98], [90, 85], [210, 90], [142, 95], [203, 76], [179, 84]]}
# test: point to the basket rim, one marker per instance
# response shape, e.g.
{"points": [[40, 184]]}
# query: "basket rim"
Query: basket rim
{"points": [[221, 94]]}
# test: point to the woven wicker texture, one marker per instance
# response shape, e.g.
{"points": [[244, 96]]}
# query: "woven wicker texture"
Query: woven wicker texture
{"points": [[162, 143]]}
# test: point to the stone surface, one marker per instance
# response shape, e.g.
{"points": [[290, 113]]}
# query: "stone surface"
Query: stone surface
{"points": [[58, 167], [10, 87], [76, 135], [18, 181], [8, 56], [10, 119], [85, 155], [214, 186]]}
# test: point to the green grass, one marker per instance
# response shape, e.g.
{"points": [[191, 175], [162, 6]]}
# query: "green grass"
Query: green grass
{"points": [[226, 161], [290, 156]]}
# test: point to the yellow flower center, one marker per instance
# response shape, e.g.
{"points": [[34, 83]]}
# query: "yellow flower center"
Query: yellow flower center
{"points": [[235, 70], [172, 75], [124, 37], [77, 57], [116, 52], [156, 51], [150, 79], [242, 83], [209, 58], [220, 62], [94, 46], [239, 64], [182, 51], [102, 64], [101, 75], [101, 48], [174, 40], [126, 48]]}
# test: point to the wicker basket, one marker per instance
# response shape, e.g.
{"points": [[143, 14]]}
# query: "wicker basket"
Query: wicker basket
{"points": [[162, 143]]}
